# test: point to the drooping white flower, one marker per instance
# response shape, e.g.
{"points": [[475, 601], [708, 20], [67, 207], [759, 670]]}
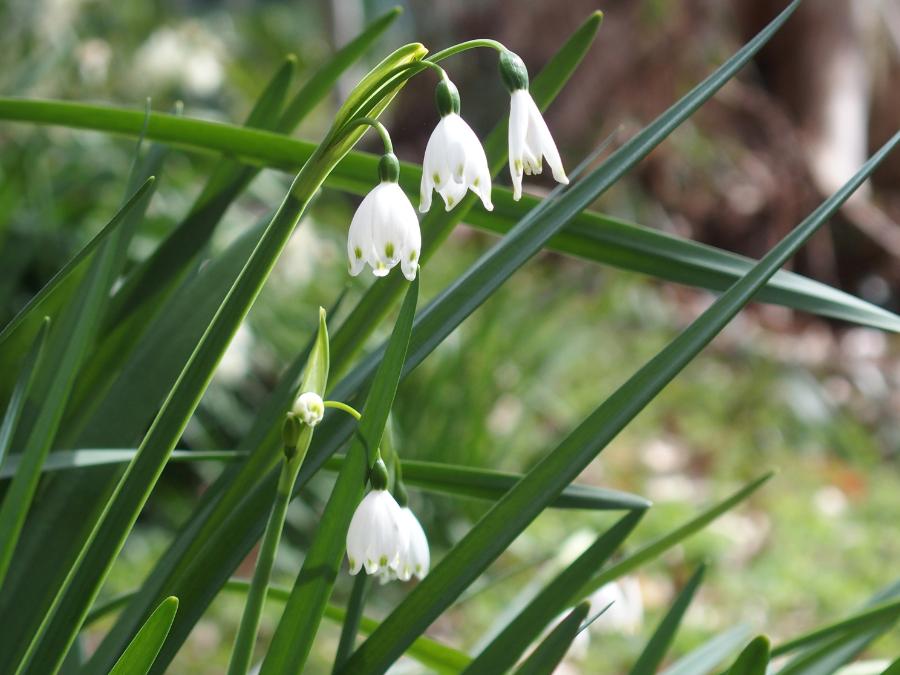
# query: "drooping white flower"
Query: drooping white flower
{"points": [[385, 229], [377, 535], [454, 159], [530, 141], [309, 408], [626, 613]]}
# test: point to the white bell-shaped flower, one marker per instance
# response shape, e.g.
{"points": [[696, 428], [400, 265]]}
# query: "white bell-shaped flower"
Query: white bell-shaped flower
{"points": [[385, 229], [309, 408], [454, 158], [377, 536], [530, 141]]}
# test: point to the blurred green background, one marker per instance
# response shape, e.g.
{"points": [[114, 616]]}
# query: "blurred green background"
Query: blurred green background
{"points": [[816, 400]]}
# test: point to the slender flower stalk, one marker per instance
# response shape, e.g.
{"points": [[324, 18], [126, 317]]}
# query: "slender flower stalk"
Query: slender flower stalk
{"points": [[296, 434]]}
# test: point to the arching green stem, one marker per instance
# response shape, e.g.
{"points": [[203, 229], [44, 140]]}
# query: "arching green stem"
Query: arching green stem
{"points": [[349, 409], [465, 46], [375, 124]]}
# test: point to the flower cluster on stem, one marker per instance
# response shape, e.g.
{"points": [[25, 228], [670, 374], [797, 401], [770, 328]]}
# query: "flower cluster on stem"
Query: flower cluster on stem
{"points": [[384, 231]]}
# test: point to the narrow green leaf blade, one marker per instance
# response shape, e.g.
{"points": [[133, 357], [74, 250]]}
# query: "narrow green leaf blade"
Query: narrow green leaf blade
{"points": [[886, 613], [505, 649], [141, 653], [754, 660], [300, 621], [707, 656], [20, 393], [831, 649], [553, 648], [430, 653], [18, 498], [67, 343], [464, 481], [655, 650]]}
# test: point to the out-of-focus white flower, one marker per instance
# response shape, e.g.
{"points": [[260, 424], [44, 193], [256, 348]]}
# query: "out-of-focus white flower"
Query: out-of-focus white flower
{"points": [[385, 231], [454, 158], [530, 141], [236, 362], [94, 57], [377, 536], [309, 408], [188, 56], [626, 613]]}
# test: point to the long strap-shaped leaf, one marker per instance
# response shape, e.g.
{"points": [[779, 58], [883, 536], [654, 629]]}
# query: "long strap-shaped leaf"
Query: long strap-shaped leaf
{"points": [[67, 343], [710, 654], [552, 649], [18, 498], [505, 649], [430, 653], [463, 481], [655, 650], [886, 613], [524, 502], [299, 623], [754, 660], [141, 653], [83, 582], [824, 654], [19, 396], [592, 236]]}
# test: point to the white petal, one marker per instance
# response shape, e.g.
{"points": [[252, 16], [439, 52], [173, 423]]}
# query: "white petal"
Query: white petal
{"points": [[359, 239], [418, 554], [518, 128], [546, 145], [452, 193]]}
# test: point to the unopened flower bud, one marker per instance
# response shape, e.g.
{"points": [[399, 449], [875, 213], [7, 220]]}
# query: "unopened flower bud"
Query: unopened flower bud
{"points": [[309, 408]]}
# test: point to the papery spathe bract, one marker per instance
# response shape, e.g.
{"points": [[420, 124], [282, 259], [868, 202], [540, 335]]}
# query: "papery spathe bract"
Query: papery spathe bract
{"points": [[377, 536], [384, 232]]}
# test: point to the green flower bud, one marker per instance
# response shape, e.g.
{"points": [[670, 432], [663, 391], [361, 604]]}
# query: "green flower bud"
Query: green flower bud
{"points": [[389, 168], [513, 71], [378, 476], [447, 97]]}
